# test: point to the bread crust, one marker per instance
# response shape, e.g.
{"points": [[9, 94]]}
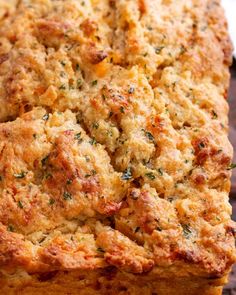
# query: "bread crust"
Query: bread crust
{"points": [[114, 156]]}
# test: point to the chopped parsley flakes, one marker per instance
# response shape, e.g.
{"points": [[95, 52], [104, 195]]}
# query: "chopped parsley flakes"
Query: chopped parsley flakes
{"points": [[201, 145], [160, 171], [45, 117], [62, 87], [127, 174], [232, 166], [149, 135], [10, 228], [187, 232], [20, 175], [51, 201], [99, 249], [94, 82], [20, 205], [150, 175], [67, 196], [93, 141], [158, 49], [131, 90]]}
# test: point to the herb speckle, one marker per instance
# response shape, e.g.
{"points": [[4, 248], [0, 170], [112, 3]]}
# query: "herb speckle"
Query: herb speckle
{"points": [[137, 229], [158, 49], [62, 87], [150, 175], [51, 201], [99, 249], [45, 117], [149, 135], [44, 160], [160, 171], [69, 181], [94, 82], [79, 83], [187, 232], [20, 205], [127, 174], [67, 196], [10, 228], [131, 90], [95, 125], [214, 114], [232, 166], [201, 145], [122, 110], [77, 136], [20, 175], [93, 141]]}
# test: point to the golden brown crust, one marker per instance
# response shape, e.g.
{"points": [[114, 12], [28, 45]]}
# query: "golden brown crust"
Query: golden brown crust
{"points": [[113, 145], [106, 281]]}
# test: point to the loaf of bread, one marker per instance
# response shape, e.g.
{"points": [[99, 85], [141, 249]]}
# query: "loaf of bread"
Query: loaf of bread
{"points": [[114, 158]]}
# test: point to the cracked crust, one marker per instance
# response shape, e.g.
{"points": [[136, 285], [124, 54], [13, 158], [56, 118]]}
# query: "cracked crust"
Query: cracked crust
{"points": [[114, 157]]}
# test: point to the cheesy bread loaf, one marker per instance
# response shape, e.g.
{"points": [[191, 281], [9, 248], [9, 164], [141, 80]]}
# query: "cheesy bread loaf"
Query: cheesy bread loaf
{"points": [[114, 156]]}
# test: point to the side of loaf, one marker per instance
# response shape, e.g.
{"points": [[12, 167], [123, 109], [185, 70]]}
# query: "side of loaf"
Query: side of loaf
{"points": [[114, 158]]}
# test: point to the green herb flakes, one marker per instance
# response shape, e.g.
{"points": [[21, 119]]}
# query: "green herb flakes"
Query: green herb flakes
{"points": [[160, 171], [187, 232], [69, 181], [67, 196], [201, 145], [122, 110], [131, 90], [44, 160], [79, 83], [87, 158], [95, 125], [20, 175], [62, 87], [20, 205], [99, 249], [51, 201], [137, 229], [10, 228], [94, 82], [150, 175], [45, 117], [232, 166], [158, 49], [214, 114], [93, 141], [77, 136], [149, 135], [127, 174]]}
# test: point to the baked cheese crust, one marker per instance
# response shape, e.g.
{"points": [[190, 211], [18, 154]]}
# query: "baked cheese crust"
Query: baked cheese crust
{"points": [[114, 156]]}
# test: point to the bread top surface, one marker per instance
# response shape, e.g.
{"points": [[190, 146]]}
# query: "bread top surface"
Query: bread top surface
{"points": [[113, 141]]}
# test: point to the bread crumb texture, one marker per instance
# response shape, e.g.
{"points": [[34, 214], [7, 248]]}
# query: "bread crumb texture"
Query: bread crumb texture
{"points": [[113, 142]]}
